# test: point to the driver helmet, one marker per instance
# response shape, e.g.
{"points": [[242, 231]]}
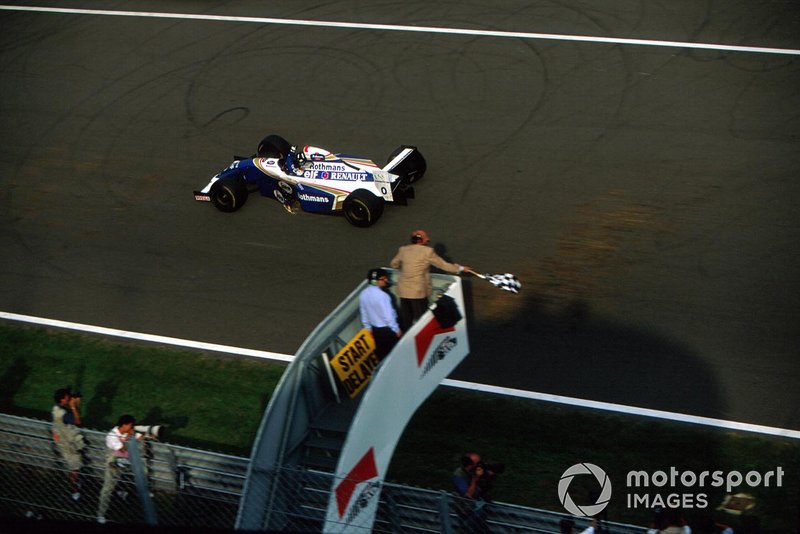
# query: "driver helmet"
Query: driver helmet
{"points": [[299, 158], [294, 161]]}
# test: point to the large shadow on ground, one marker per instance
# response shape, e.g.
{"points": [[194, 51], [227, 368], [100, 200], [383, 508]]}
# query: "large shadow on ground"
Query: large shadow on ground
{"points": [[567, 349]]}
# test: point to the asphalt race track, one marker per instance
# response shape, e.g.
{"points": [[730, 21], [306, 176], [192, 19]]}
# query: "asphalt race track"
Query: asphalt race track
{"points": [[646, 194]]}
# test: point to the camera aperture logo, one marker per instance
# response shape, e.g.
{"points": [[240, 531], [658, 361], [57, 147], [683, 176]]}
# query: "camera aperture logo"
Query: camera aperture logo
{"points": [[602, 499]]}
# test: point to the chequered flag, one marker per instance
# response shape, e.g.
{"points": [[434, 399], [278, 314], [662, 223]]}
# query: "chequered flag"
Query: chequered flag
{"points": [[506, 282]]}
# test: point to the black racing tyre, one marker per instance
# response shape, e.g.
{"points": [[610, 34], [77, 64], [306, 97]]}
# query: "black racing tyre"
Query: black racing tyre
{"points": [[362, 208], [274, 146], [412, 168], [229, 194]]}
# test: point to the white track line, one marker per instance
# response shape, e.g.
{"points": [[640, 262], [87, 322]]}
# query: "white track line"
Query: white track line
{"points": [[497, 390], [621, 408], [404, 28], [146, 337]]}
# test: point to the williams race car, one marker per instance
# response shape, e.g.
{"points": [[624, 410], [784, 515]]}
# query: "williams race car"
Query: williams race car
{"points": [[316, 180]]}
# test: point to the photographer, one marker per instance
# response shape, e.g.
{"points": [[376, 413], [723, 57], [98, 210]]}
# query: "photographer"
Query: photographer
{"points": [[116, 461], [474, 479], [68, 438]]}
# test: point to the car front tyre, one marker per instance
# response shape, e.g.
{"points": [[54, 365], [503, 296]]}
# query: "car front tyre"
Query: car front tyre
{"points": [[229, 194]]}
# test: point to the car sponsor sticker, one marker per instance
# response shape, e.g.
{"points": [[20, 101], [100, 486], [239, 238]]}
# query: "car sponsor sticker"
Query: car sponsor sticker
{"points": [[328, 167], [313, 198], [348, 176]]}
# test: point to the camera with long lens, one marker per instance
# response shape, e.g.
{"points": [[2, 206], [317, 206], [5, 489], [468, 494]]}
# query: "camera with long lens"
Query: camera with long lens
{"points": [[149, 431], [494, 468]]}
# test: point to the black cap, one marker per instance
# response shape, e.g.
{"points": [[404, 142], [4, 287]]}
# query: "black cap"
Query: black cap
{"points": [[375, 274]]}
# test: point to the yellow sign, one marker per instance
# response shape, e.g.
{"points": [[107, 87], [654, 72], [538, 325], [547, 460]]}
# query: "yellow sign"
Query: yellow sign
{"points": [[356, 362]]}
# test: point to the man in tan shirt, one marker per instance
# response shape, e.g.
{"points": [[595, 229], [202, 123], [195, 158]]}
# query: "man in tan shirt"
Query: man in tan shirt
{"points": [[414, 283], [68, 438]]}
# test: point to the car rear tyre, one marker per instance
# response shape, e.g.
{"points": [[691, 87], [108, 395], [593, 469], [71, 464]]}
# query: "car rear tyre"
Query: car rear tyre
{"points": [[362, 208], [412, 168], [229, 194], [274, 146]]}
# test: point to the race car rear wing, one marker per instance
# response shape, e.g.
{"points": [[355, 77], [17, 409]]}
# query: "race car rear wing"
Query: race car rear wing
{"points": [[399, 158]]}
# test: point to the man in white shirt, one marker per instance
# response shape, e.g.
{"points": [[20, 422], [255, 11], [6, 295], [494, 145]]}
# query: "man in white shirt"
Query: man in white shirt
{"points": [[115, 461], [378, 314]]}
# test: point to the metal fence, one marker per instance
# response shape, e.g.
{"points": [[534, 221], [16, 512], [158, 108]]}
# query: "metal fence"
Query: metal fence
{"points": [[192, 488], [409, 510], [185, 486]]}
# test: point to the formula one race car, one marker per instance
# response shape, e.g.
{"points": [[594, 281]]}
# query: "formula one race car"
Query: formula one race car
{"points": [[316, 180]]}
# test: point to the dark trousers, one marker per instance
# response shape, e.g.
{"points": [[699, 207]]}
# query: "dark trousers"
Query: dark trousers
{"points": [[385, 339], [410, 311]]}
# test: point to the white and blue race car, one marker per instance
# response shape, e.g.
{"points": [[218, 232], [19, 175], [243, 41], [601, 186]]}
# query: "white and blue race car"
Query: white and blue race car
{"points": [[316, 180]]}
